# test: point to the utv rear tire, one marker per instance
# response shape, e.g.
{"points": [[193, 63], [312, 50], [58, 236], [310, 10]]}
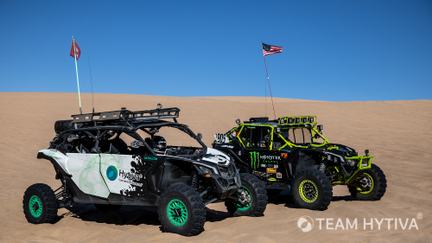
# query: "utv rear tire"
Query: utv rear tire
{"points": [[378, 184], [312, 189], [40, 204], [181, 210], [255, 189]]}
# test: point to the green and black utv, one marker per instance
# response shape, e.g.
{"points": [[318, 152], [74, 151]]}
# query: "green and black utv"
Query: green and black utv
{"points": [[292, 153]]}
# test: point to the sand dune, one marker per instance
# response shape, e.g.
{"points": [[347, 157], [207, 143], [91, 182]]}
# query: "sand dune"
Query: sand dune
{"points": [[398, 133]]}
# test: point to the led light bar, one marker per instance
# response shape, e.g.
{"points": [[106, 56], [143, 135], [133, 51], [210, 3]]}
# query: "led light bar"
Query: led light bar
{"points": [[297, 120]]}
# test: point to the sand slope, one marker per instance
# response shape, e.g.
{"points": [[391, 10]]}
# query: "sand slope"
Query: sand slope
{"points": [[398, 133]]}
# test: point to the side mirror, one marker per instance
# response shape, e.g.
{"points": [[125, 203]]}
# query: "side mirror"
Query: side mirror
{"points": [[320, 128], [199, 135]]}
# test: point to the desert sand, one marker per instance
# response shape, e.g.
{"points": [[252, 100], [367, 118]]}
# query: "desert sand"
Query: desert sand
{"points": [[398, 133]]}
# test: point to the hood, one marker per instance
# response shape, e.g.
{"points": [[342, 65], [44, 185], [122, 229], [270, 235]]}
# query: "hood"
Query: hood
{"points": [[341, 150], [216, 157]]}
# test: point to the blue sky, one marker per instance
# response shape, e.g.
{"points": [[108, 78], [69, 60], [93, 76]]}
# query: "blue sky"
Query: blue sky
{"points": [[333, 50]]}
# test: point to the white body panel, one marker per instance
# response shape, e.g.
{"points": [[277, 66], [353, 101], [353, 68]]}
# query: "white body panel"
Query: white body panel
{"points": [[122, 165], [98, 174], [85, 172], [216, 157]]}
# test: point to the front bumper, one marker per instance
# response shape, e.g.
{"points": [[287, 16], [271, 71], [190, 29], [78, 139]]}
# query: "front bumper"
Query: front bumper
{"points": [[364, 162], [227, 182]]}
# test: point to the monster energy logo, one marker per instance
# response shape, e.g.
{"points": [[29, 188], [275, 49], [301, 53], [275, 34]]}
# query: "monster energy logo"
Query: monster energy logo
{"points": [[254, 159]]}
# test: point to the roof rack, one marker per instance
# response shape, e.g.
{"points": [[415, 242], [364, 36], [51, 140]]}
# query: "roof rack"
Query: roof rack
{"points": [[127, 115]]}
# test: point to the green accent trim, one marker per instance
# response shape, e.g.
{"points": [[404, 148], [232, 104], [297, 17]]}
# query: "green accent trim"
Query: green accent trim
{"points": [[360, 165], [311, 187], [372, 185], [247, 206], [35, 206], [287, 142], [150, 158], [177, 212], [256, 125], [254, 159], [238, 136]]}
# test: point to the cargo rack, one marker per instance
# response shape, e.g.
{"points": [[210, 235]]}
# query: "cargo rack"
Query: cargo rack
{"points": [[126, 115]]}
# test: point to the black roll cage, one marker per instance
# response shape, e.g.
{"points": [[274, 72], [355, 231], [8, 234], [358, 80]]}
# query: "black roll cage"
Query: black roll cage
{"points": [[130, 122]]}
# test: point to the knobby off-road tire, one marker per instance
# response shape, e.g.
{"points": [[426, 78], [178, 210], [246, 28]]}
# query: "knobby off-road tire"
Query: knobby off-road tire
{"points": [[255, 190], [40, 204], [376, 184], [311, 189], [181, 210]]}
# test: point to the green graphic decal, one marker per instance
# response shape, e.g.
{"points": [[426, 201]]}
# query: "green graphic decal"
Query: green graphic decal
{"points": [[254, 159], [112, 173]]}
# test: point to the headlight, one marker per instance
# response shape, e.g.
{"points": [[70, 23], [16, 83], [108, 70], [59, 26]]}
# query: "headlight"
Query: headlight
{"points": [[205, 172], [352, 162]]}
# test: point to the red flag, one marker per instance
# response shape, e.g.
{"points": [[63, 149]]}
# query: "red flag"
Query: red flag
{"points": [[75, 50], [270, 49]]}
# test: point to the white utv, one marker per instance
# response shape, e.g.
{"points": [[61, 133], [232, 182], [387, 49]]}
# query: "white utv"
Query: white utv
{"points": [[96, 165]]}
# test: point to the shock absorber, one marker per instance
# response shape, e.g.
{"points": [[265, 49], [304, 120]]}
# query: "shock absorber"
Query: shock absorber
{"points": [[194, 182], [322, 167]]}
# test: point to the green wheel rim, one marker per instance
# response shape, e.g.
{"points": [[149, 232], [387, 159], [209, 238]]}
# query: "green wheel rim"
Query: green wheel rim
{"points": [[177, 212], [35, 206], [372, 184], [248, 206], [308, 191]]}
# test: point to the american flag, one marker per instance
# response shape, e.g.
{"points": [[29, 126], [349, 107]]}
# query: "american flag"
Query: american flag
{"points": [[271, 49]]}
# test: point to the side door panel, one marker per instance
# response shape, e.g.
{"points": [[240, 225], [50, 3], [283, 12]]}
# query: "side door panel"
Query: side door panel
{"points": [[121, 173], [85, 172], [266, 164]]}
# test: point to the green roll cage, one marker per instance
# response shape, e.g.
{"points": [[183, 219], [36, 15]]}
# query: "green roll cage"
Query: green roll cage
{"points": [[363, 161]]}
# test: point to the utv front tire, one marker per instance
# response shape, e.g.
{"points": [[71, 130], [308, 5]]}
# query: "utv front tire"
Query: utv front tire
{"points": [[40, 204], [181, 210], [369, 184], [253, 190], [312, 189]]}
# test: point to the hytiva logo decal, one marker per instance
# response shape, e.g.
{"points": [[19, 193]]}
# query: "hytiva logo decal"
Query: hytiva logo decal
{"points": [[112, 172], [254, 159], [305, 223]]}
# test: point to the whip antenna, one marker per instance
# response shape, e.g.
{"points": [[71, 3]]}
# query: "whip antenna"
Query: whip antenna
{"points": [[91, 85], [269, 50], [267, 81]]}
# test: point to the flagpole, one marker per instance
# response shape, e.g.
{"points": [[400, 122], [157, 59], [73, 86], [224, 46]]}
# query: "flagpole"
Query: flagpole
{"points": [[77, 76], [269, 85]]}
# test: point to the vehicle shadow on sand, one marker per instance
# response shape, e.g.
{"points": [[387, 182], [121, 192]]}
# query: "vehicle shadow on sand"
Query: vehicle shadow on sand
{"points": [[130, 215], [278, 198]]}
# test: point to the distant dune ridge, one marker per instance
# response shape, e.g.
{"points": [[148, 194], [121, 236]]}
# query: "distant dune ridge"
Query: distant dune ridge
{"points": [[398, 133]]}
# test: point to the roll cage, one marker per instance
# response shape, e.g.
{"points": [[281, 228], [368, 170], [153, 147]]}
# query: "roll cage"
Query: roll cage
{"points": [[125, 121], [276, 127]]}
